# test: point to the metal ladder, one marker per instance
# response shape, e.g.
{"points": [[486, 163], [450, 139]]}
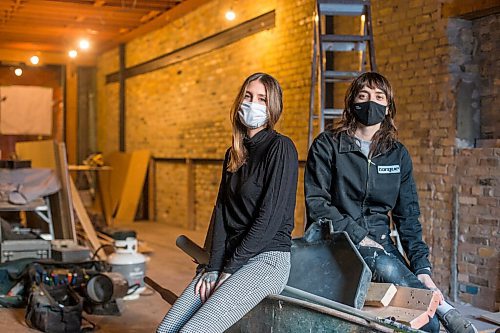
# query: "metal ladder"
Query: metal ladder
{"points": [[324, 75]]}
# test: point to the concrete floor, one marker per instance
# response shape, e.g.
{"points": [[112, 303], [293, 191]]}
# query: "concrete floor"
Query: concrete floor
{"points": [[168, 266], [172, 269]]}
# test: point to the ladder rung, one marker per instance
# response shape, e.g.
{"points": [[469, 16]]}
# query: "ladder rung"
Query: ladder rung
{"points": [[342, 8], [332, 76], [343, 46], [344, 38], [332, 113]]}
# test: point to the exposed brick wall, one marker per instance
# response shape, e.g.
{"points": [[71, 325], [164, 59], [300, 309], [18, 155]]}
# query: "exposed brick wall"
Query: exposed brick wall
{"points": [[182, 111], [486, 32], [107, 104], [427, 58], [412, 51], [478, 174]]}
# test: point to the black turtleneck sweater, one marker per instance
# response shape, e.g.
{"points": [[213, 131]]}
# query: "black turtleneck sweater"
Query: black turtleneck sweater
{"points": [[255, 206]]}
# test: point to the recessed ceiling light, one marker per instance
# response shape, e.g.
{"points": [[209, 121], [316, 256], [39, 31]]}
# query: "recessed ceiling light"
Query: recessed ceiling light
{"points": [[18, 71], [230, 15], [34, 60], [72, 54], [84, 44]]}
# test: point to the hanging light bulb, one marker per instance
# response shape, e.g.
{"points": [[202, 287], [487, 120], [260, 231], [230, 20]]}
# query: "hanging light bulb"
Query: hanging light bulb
{"points": [[84, 44], [18, 71], [34, 60], [72, 54], [230, 15]]}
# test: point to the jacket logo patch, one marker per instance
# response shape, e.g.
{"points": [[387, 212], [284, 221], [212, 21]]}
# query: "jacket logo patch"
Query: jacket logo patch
{"points": [[388, 169]]}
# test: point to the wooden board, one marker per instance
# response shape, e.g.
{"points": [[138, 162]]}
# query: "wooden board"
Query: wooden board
{"points": [[111, 184], [410, 317], [41, 153], [67, 217], [491, 317], [410, 306], [85, 222], [418, 299], [380, 294], [132, 187], [48, 154]]}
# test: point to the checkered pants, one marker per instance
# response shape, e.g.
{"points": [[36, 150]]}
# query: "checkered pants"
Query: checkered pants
{"points": [[265, 274]]}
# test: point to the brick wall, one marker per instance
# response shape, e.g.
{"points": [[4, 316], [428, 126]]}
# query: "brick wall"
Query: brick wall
{"points": [[412, 51], [478, 175], [431, 60], [486, 32], [182, 111]]}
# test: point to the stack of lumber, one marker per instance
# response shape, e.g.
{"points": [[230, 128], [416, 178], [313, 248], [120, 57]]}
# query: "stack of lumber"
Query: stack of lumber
{"points": [[70, 218], [121, 188]]}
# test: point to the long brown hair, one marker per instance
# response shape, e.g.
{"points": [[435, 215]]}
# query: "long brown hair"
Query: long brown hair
{"points": [[386, 136], [274, 107]]}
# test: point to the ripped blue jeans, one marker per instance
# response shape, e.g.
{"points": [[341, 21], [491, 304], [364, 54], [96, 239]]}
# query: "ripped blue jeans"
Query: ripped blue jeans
{"points": [[389, 266]]}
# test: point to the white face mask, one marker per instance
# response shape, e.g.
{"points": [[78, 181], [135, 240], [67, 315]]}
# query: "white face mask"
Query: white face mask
{"points": [[252, 115]]}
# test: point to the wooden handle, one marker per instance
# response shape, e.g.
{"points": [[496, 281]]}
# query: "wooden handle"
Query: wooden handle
{"points": [[166, 294]]}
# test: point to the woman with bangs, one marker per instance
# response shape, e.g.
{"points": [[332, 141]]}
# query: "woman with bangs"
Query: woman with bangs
{"points": [[357, 175], [253, 218]]}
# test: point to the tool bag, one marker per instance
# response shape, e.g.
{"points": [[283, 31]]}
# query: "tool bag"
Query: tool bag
{"points": [[54, 310]]}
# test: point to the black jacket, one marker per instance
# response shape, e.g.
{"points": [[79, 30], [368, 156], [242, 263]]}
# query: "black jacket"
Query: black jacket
{"points": [[357, 194], [255, 207]]}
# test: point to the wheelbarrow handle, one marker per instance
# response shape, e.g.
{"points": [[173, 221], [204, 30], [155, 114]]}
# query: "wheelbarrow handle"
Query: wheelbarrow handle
{"points": [[192, 249], [166, 294]]}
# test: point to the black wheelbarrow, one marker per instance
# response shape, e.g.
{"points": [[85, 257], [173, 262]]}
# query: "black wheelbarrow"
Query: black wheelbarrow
{"points": [[326, 288]]}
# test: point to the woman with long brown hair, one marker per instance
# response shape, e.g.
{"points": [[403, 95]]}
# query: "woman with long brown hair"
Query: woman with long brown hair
{"points": [[254, 218], [357, 175]]}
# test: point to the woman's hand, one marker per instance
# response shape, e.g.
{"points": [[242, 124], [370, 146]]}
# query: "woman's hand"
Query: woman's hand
{"points": [[427, 281], [206, 285], [368, 242], [223, 277]]}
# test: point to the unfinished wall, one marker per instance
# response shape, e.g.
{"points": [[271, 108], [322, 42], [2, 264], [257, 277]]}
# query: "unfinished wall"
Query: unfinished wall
{"points": [[412, 51], [182, 111], [478, 174], [430, 60], [486, 32]]}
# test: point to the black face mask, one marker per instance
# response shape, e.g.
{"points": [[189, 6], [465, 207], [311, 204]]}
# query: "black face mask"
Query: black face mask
{"points": [[369, 113]]}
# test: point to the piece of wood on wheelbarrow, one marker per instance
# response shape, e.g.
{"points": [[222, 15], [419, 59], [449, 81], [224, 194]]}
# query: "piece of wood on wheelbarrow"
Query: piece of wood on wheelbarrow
{"points": [[410, 306], [380, 294]]}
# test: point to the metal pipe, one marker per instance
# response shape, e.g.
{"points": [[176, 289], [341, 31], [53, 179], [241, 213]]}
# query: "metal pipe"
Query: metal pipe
{"points": [[454, 249], [304, 295]]}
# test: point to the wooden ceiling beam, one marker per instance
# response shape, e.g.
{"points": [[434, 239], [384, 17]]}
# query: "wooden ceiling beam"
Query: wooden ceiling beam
{"points": [[61, 22], [80, 9], [51, 13], [46, 58], [23, 45], [56, 24], [56, 31], [160, 21]]}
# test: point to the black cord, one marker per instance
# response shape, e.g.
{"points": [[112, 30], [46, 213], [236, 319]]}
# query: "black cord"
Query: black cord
{"points": [[98, 249], [133, 288]]}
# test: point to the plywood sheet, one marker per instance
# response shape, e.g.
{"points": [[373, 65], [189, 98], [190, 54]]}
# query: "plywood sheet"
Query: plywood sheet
{"points": [[132, 188], [41, 153], [111, 183]]}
